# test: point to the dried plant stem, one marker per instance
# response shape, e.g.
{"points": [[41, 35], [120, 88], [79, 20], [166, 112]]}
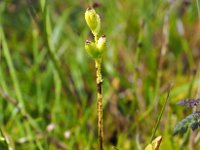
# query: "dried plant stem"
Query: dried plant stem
{"points": [[99, 102]]}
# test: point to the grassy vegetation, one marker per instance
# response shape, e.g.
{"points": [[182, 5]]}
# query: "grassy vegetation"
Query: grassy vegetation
{"points": [[47, 88]]}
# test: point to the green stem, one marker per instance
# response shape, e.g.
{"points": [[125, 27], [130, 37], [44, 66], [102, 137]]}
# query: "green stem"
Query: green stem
{"points": [[99, 102], [13, 74], [160, 116]]}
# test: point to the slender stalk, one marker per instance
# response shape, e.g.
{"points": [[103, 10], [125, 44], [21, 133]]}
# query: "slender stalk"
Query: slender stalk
{"points": [[95, 50], [160, 115], [162, 55], [13, 74], [198, 9], [99, 102]]}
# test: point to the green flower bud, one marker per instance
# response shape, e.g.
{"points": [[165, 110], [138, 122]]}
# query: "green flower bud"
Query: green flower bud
{"points": [[92, 49], [101, 44], [93, 20]]}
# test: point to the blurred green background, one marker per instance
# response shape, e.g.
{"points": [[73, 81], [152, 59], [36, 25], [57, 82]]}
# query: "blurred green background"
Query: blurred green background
{"points": [[47, 80]]}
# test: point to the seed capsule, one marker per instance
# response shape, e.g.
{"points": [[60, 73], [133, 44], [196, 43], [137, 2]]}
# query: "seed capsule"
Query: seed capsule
{"points": [[92, 49], [93, 20], [101, 44]]}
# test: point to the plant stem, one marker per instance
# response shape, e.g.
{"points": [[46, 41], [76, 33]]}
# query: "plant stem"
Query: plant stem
{"points": [[99, 102], [160, 115], [13, 74]]}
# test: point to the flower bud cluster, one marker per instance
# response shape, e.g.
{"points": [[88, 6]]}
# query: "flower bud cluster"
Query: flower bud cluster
{"points": [[94, 49]]}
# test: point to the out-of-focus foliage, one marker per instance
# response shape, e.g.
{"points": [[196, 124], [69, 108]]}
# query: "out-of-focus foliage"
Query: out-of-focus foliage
{"points": [[47, 98], [192, 121]]}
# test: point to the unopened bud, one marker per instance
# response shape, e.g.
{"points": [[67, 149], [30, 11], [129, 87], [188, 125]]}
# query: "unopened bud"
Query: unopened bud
{"points": [[101, 43], [92, 49], [93, 20]]}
